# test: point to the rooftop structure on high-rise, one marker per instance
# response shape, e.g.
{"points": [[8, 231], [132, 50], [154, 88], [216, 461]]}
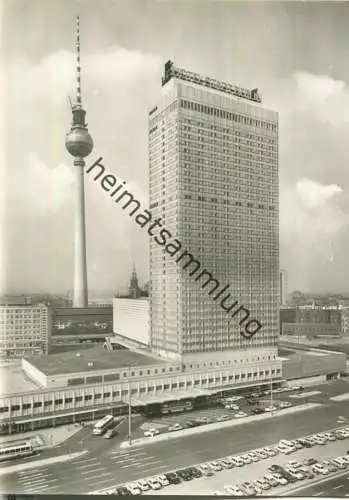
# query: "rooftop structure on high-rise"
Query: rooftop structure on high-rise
{"points": [[214, 185], [79, 144]]}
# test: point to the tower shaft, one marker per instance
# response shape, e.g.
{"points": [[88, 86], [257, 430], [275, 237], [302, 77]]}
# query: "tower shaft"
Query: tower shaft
{"points": [[79, 144], [80, 296]]}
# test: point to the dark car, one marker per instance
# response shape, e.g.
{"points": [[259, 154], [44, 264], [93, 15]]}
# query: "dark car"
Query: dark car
{"points": [[305, 443], [173, 478], [276, 468], [122, 491], [184, 474], [257, 411]]}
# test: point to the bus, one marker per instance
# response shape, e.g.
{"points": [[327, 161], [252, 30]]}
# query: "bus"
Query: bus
{"points": [[103, 425], [16, 450], [176, 407]]}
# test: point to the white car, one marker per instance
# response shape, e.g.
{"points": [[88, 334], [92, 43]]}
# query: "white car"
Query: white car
{"points": [[143, 485], [240, 414], [154, 483], [237, 461], [261, 454], [268, 451], [270, 408], [253, 456], [272, 480], [215, 466], [320, 469], [235, 491], [134, 489], [175, 427], [280, 478], [262, 484], [151, 432], [246, 459], [163, 480]]}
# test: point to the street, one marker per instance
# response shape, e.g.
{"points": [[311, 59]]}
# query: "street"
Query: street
{"points": [[338, 487], [106, 465]]}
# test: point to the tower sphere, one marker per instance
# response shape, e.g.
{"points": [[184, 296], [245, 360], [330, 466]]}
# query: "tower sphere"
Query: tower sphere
{"points": [[79, 143]]}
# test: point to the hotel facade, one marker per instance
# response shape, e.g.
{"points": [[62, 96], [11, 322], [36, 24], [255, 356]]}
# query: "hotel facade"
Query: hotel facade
{"points": [[213, 181]]}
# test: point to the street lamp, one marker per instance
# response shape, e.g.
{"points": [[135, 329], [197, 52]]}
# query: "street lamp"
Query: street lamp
{"points": [[129, 407], [271, 392]]}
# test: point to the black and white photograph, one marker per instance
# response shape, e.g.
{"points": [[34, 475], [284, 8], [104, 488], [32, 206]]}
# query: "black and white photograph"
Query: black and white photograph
{"points": [[174, 222]]}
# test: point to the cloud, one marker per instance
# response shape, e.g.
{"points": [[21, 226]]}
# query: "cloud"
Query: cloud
{"points": [[117, 91], [313, 194]]}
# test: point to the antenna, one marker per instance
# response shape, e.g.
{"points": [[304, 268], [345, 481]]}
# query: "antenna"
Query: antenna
{"points": [[78, 66]]}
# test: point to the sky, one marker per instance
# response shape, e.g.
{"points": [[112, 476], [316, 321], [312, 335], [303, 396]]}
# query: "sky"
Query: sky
{"points": [[297, 54]]}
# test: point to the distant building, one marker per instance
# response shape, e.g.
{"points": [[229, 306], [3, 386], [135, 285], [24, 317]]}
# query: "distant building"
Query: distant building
{"points": [[283, 287], [134, 289], [82, 320], [131, 321], [8, 300], [310, 321], [25, 330]]}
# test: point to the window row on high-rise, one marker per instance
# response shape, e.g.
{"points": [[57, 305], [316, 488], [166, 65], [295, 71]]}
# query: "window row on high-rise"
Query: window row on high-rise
{"points": [[227, 115]]}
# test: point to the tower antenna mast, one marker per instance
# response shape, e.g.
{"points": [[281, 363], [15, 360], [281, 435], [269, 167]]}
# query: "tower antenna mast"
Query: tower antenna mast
{"points": [[79, 144]]}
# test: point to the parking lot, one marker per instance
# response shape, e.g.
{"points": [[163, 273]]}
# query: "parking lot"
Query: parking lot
{"points": [[255, 477], [225, 409]]}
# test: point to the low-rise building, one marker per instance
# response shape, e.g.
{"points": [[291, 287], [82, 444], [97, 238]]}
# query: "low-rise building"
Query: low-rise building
{"points": [[25, 330], [69, 387]]}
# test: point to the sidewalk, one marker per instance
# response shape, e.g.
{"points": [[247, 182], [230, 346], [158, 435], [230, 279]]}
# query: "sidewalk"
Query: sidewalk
{"points": [[217, 426], [39, 463], [43, 438]]}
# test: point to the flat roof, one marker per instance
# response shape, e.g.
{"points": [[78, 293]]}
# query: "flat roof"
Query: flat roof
{"points": [[14, 380], [71, 362]]}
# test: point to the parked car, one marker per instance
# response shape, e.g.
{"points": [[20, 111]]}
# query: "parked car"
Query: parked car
{"points": [[272, 479], [175, 427], [248, 487], [154, 483], [246, 459], [163, 480], [151, 432], [143, 484], [134, 489], [320, 469], [215, 466], [172, 478], [240, 414]]}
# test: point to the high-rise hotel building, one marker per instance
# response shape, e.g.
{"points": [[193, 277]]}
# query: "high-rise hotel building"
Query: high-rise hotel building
{"points": [[213, 153]]}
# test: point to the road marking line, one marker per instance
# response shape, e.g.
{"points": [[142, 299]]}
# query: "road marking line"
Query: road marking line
{"points": [[150, 463], [96, 470], [30, 483], [100, 475], [84, 460], [122, 461], [339, 486], [32, 471], [87, 466], [318, 494], [27, 476], [124, 466]]}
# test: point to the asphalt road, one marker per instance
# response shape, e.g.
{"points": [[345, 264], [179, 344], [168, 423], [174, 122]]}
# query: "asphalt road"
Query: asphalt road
{"points": [[106, 465], [338, 487]]}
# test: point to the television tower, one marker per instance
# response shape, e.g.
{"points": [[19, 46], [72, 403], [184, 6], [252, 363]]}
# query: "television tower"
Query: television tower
{"points": [[79, 144]]}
